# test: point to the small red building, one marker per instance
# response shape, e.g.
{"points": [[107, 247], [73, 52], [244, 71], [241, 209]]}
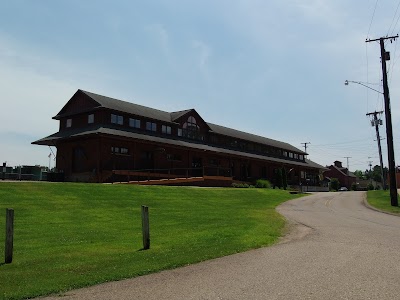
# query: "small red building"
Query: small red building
{"points": [[345, 177], [101, 137]]}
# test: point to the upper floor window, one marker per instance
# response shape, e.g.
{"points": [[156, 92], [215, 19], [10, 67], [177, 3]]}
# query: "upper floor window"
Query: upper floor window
{"points": [[119, 150], [151, 126], [90, 118], [285, 153], [134, 123], [166, 129], [179, 131], [301, 157], [69, 123], [191, 129], [115, 119], [290, 155]]}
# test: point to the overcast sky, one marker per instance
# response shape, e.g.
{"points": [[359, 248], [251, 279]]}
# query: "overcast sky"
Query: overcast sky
{"points": [[273, 68]]}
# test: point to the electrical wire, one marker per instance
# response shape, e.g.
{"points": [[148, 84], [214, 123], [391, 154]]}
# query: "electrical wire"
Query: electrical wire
{"points": [[373, 14], [394, 17]]}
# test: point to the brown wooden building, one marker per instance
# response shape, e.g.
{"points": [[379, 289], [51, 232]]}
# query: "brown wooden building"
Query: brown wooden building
{"points": [[101, 137], [345, 177]]}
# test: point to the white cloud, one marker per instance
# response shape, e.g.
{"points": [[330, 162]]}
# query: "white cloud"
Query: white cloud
{"points": [[204, 53]]}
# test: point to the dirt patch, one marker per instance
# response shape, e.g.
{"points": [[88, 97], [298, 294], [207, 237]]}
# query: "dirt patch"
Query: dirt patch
{"points": [[294, 231]]}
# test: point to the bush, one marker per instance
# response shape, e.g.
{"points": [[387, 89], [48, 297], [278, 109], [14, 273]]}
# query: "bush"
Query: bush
{"points": [[354, 186], [263, 184], [334, 184], [370, 187], [378, 187], [241, 185]]}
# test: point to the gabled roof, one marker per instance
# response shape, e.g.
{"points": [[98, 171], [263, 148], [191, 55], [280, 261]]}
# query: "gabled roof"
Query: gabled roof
{"points": [[126, 107], [315, 165], [343, 171], [252, 137], [177, 114], [171, 117]]}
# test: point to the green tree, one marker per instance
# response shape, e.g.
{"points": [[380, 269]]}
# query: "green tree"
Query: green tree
{"points": [[359, 174], [279, 178], [284, 178], [334, 184]]}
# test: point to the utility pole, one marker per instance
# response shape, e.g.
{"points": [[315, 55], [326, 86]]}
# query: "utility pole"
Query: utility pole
{"points": [[370, 171], [389, 131], [305, 146], [376, 122], [347, 157]]}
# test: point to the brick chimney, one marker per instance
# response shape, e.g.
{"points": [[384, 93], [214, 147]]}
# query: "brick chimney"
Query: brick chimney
{"points": [[338, 164]]}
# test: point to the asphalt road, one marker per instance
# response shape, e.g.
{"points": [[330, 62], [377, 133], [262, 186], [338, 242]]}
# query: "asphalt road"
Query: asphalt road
{"points": [[337, 249]]}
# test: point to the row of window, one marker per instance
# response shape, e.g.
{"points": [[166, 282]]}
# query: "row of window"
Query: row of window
{"points": [[119, 150], [136, 123], [249, 146], [68, 123], [192, 130], [293, 155]]}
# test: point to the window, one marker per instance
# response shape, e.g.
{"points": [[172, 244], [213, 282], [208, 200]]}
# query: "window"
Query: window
{"points": [[134, 123], [290, 155], [166, 129], [119, 150], [296, 156], [115, 119], [69, 123], [91, 119], [191, 130], [301, 157], [151, 126], [285, 153], [179, 131]]}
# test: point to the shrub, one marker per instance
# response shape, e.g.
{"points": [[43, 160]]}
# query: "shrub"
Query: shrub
{"points": [[354, 186], [263, 184], [284, 178], [334, 184], [370, 187], [279, 178], [241, 185], [378, 187]]}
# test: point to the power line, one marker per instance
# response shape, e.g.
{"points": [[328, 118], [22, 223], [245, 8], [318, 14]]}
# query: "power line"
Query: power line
{"points": [[395, 13], [348, 142], [373, 14]]}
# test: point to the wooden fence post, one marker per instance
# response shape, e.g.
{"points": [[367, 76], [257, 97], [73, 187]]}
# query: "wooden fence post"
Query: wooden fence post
{"points": [[9, 235], [145, 227]]}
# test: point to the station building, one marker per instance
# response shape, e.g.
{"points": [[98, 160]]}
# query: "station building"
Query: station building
{"points": [[102, 139]]}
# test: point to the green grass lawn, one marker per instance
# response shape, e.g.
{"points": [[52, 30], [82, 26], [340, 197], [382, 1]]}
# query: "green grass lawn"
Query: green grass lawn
{"points": [[381, 200], [73, 235]]}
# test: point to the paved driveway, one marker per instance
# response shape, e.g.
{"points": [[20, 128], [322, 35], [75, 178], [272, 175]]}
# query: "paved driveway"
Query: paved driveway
{"points": [[341, 250]]}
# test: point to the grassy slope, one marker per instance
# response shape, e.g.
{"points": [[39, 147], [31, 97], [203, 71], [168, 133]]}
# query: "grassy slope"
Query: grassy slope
{"points": [[74, 235], [381, 200]]}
